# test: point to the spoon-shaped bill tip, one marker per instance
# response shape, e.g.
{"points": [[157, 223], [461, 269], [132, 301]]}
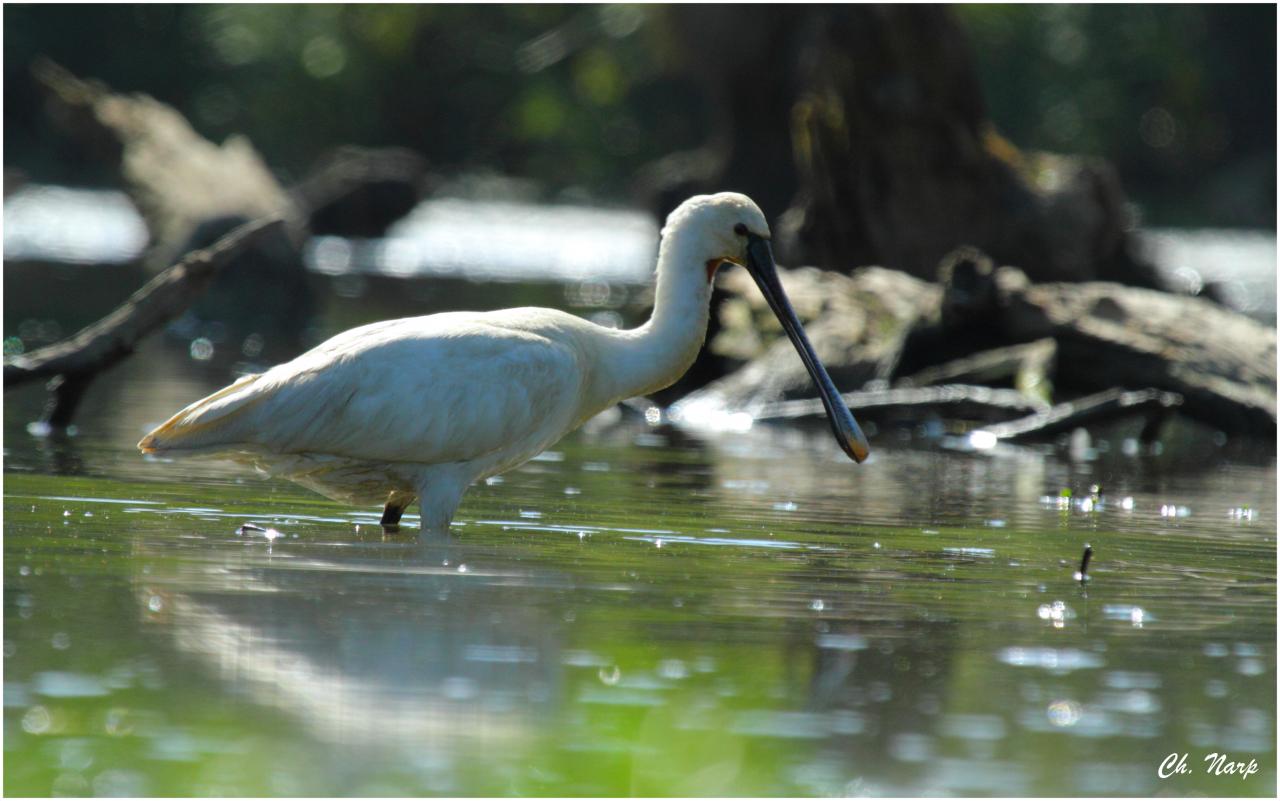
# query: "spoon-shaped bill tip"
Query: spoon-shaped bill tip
{"points": [[853, 442]]}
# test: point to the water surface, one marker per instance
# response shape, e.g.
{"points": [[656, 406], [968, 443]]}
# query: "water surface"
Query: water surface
{"points": [[639, 611]]}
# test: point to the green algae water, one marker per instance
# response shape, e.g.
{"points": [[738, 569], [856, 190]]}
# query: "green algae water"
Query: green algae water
{"points": [[638, 611]]}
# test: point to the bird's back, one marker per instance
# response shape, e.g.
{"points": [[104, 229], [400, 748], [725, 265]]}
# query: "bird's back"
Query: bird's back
{"points": [[444, 388]]}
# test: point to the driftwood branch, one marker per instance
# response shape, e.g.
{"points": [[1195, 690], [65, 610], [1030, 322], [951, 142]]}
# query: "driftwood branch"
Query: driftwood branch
{"points": [[1027, 365], [1154, 404], [110, 339], [75, 361], [952, 401], [960, 401]]}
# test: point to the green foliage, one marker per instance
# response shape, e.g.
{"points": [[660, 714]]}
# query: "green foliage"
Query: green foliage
{"points": [[1180, 98], [555, 92]]}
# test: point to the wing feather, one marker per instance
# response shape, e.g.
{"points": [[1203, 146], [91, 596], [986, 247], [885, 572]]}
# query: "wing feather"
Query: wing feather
{"points": [[205, 420]]}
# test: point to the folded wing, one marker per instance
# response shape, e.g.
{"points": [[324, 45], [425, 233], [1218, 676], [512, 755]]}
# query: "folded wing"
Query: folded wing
{"points": [[423, 390]]}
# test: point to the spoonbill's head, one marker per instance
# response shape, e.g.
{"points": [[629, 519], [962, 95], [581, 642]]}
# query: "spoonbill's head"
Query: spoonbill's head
{"points": [[730, 227], [719, 225]]}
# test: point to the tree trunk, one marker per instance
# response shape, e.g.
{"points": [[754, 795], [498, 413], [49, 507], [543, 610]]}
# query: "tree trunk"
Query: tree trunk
{"points": [[899, 163], [869, 122]]}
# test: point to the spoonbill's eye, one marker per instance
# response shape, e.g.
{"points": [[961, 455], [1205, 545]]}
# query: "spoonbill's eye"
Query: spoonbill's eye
{"points": [[740, 229]]}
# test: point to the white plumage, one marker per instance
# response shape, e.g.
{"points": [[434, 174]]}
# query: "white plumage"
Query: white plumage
{"points": [[426, 405]]}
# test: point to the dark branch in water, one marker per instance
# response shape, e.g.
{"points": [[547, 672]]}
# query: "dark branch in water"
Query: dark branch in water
{"points": [[960, 401], [951, 400], [76, 361], [1108, 405]]}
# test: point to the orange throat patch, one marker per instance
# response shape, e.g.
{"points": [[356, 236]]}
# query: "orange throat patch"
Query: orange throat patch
{"points": [[712, 266]]}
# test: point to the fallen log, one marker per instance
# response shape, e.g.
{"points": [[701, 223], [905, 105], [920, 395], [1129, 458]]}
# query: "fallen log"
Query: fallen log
{"points": [[75, 361], [879, 328], [1222, 363]]}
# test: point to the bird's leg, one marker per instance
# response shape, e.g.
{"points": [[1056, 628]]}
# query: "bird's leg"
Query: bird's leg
{"points": [[396, 503], [440, 495], [391, 516], [437, 517]]}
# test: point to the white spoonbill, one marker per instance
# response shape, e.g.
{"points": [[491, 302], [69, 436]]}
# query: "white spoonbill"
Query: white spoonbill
{"points": [[448, 399]]}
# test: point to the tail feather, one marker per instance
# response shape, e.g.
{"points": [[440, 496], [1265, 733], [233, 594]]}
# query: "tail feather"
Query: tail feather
{"points": [[206, 423]]}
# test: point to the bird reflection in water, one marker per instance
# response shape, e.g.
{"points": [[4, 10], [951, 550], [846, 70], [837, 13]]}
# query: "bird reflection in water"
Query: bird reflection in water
{"points": [[427, 670]]}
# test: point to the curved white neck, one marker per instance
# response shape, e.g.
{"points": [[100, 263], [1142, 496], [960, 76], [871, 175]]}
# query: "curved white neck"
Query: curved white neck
{"points": [[653, 356]]}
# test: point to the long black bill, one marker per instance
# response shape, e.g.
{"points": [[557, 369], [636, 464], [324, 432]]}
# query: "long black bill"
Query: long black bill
{"points": [[760, 265]]}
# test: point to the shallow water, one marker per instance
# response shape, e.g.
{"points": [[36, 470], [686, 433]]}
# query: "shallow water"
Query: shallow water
{"points": [[639, 611]]}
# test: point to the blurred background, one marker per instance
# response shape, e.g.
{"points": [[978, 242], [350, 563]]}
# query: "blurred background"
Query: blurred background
{"points": [[580, 99]]}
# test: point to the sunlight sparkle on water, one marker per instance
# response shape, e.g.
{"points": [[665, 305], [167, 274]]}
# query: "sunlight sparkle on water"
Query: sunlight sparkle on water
{"points": [[1056, 614], [710, 415], [982, 440], [1058, 660], [1128, 613], [1064, 713]]}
